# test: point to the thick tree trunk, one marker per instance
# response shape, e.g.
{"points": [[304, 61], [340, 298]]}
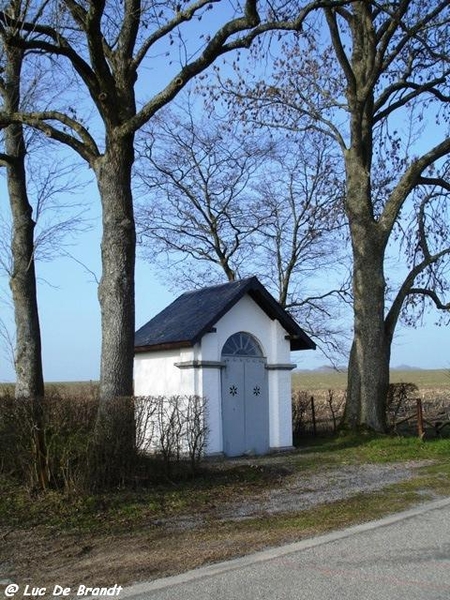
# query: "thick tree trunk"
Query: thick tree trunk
{"points": [[28, 361], [368, 371], [115, 438], [116, 289], [28, 356]]}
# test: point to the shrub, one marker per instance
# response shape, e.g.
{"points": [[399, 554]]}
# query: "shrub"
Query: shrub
{"points": [[300, 405], [63, 428], [173, 428], [399, 402], [83, 450]]}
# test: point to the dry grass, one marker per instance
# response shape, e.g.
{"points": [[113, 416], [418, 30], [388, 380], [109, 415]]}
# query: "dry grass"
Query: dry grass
{"points": [[150, 552], [433, 382]]}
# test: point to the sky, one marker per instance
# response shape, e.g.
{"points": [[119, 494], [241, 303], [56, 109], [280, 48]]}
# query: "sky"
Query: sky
{"points": [[70, 316]]}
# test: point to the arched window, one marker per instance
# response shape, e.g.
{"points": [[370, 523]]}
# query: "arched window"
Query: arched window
{"points": [[241, 344]]}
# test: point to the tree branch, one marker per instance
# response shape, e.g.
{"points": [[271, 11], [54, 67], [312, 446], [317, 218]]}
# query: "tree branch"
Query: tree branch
{"points": [[181, 17], [409, 180], [417, 90], [87, 147], [339, 50], [90, 22], [129, 31], [433, 295], [407, 289], [218, 45], [435, 181], [5, 160], [59, 46]]}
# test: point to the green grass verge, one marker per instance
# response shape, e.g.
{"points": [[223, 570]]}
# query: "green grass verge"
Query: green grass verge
{"points": [[340, 514], [377, 448]]}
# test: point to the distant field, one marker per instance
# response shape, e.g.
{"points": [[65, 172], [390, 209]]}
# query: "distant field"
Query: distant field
{"points": [[324, 380], [75, 388], [305, 380], [433, 385]]}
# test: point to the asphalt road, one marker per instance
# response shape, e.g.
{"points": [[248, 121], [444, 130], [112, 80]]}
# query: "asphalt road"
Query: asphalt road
{"points": [[405, 556]]}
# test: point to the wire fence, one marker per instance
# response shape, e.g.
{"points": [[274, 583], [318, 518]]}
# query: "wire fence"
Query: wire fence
{"points": [[407, 412]]}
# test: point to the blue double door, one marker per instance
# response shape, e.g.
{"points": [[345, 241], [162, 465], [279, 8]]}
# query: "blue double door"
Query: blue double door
{"points": [[245, 405]]}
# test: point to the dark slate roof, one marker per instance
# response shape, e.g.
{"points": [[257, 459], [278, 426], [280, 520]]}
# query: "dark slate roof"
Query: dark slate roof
{"points": [[184, 322]]}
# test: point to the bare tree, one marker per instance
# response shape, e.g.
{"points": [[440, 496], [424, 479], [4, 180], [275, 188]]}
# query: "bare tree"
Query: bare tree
{"points": [[109, 46], [219, 200], [302, 249], [28, 359], [395, 61], [373, 86], [18, 260], [200, 208]]}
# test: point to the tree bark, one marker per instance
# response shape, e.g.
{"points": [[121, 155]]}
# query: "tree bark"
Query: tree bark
{"points": [[116, 289], [368, 372], [28, 360], [115, 436]]}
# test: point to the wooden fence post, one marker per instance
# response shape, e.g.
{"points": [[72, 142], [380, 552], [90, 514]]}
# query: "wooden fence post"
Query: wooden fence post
{"points": [[420, 428], [313, 414]]}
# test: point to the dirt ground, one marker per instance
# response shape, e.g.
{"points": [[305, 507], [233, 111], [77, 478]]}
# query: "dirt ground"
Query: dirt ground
{"points": [[160, 547]]}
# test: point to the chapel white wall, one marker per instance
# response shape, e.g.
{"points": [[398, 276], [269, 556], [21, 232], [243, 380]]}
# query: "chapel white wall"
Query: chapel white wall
{"points": [[155, 373]]}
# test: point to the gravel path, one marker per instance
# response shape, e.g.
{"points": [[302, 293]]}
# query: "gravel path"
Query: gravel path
{"points": [[303, 492], [298, 492]]}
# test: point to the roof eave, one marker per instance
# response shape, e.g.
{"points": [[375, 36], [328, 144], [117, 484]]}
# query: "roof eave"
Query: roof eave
{"points": [[164, 346], [301, 343]]}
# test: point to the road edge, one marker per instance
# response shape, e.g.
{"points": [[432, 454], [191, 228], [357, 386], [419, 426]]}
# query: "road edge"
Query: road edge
{"points": [[276, 552]]}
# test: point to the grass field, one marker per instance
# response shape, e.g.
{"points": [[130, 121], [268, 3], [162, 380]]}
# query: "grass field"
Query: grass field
{"points": [[325, 380]]}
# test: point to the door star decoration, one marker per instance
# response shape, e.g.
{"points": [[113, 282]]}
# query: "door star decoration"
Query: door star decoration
{"points": [[233, 390]]}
